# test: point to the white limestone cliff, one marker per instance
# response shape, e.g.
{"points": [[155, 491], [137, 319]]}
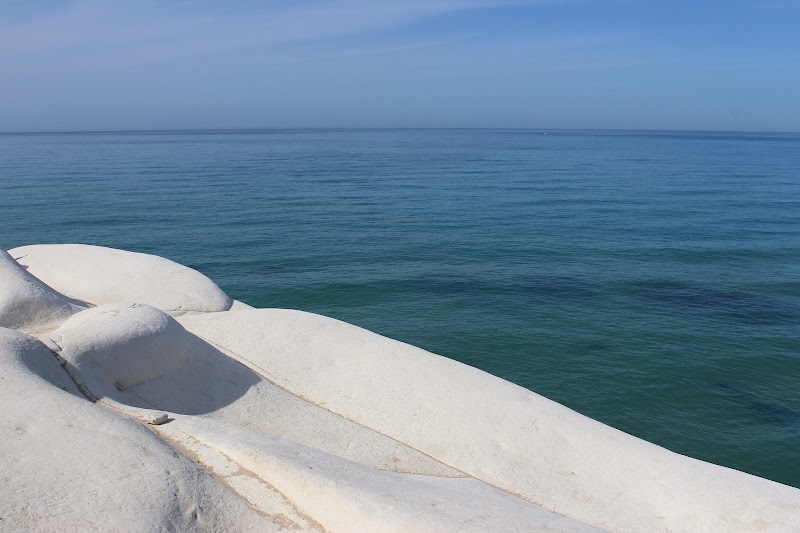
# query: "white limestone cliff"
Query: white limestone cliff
{"points": [[283, 420]]}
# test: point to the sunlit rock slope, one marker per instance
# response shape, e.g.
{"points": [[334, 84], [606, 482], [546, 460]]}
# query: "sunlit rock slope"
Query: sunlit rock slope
{"points": [[136, 396]]}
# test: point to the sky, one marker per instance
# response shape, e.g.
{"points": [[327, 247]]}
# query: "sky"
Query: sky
{"points": [[69, 65]]}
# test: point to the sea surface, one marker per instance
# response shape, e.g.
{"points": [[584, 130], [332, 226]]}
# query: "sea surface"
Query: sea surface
{"points": [[649, 280]]}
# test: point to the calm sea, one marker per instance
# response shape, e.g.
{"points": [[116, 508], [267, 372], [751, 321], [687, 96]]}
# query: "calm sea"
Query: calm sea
{"points": [[650, 280]]}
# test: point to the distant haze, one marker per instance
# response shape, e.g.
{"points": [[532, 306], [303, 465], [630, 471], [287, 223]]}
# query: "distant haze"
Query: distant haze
{"points": [[631, 64]]}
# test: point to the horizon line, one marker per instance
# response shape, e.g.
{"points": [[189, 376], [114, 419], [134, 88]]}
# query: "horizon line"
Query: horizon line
{"points": [[370, 128]]}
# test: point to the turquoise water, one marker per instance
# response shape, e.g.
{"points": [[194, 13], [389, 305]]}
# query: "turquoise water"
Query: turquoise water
{"points": [[649, 280]]}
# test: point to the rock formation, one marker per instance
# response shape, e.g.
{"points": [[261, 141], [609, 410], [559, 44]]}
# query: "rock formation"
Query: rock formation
{"points": [[136, 396]]}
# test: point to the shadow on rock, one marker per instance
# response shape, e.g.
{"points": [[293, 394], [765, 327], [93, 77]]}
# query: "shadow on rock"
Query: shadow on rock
{"points": [[140, 356], [206, 381]]}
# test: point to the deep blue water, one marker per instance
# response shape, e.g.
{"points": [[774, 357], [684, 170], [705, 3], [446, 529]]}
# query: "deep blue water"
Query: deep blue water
{"points": [[650, 280]]}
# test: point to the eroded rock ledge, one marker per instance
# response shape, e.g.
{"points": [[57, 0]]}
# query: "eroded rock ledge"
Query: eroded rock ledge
{"points": [[283, 420]]}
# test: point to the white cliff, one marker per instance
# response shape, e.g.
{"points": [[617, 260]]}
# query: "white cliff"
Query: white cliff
{"points": [[285, 420]]}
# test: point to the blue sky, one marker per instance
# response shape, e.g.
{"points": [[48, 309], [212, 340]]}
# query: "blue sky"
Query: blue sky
{"points": [[148, 64]]}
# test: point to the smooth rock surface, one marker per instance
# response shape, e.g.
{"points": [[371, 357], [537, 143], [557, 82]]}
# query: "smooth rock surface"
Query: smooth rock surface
{"points": [[67, 464], [496, 431], [154, 365], [240, 306], [138, 356], [28, 304], [106, 275], [121, 417], [129, 342], [347, 496]]}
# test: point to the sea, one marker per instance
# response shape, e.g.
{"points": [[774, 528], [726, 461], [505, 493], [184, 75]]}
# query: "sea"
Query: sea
{"points": [[646, 279]]}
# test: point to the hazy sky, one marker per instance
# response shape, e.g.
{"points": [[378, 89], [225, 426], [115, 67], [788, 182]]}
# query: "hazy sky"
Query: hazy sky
{"points": [[148, 64]]}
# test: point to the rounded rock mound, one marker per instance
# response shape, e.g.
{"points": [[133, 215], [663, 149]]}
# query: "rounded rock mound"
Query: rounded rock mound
{"points": [[129, 342], [101, 275]]}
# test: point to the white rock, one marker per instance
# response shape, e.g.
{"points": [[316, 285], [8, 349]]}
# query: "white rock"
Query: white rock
{"points": [[496, 431], [284, 419], [157, 421], [69, 465], [138, 356], [155, 363], [240, 306], [129, 342], [28, 304], [345, 496], [105, 275]]}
